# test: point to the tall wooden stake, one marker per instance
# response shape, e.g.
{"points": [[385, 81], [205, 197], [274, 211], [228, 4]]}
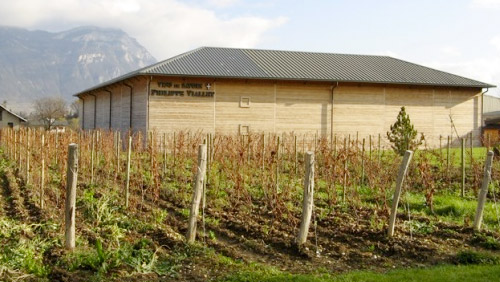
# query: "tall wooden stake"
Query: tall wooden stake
{"points": [[295, 153], [363, 163], [308, 201], [198, 191], [127, 185], [71, 182], [484, 191], [278, 165], [462, 155], [92, 153], [42, 176], [28, 156], [471, 150], [397, 193], [344, 188], [448, 155]]}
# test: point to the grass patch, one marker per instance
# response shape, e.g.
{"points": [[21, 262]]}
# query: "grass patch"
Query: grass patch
{"points": [[434, 274], [452, 208]]}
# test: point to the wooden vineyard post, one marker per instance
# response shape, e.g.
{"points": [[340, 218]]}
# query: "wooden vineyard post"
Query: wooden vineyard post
{"points": [[295, 153], [127, 185], [397, 193], [71, 181], [379, 151], [308, 201], [28, 156], [370, 153], [198, 191], [462, 159], [471, 149], [344, 188], [335, 146], [484, 191], [249, 151], [175, 153], [15, 145], [441, 146], [92, 153], [448, 156], [164, 153], [362, 164], [56, 141], [118, 145], [263, 150], [278, 165], [42, 174]]}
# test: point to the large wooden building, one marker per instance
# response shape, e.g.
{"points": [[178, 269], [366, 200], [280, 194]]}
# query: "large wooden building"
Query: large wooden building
{"points": [[237, 91]]}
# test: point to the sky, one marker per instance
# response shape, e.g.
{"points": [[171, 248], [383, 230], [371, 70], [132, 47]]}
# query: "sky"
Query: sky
{"points": [[457, 36]]}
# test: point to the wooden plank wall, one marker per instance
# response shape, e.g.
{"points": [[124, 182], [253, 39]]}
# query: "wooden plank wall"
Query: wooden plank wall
{"points": [[371, 110], [120, 107], [260, 115], [304, 108], [88, 114], [283, 107], [175, 113]]}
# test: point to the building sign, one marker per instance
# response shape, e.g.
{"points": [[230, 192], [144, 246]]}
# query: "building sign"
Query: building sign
{"points": [[183, 89]]}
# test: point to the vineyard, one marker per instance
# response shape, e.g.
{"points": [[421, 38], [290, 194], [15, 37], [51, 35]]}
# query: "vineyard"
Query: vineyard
{"points": [[134, 195]]}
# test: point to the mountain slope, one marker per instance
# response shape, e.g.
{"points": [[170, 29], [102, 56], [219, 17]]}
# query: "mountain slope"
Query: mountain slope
{"points": [[35, 64]]}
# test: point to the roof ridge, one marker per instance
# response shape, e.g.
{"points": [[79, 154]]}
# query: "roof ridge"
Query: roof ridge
{"points": [[295, 51], [169, 60]]}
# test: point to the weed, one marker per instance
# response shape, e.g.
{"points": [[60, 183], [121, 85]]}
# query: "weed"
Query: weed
{"points": [[485, 241], [472, 257]]}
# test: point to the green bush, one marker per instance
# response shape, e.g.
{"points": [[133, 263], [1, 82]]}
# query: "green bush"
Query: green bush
{"points": [[403, 134]]}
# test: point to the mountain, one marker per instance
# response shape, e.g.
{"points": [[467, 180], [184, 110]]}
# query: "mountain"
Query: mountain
{"points": [[36, 64]]}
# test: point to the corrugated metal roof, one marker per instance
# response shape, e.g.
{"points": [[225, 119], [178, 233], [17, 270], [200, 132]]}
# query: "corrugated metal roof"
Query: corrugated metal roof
{"points": [[292, 65]]}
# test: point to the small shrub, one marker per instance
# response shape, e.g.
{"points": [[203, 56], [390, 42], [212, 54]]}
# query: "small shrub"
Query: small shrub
{"points": [[403, 134], [471, 257], [486, 242]]}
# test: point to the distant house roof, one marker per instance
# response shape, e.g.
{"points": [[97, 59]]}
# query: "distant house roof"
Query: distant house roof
{"points": [[12, 113], [303, 66]]}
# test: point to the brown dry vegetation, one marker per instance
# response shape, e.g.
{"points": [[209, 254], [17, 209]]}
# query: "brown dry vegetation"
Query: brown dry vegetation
{"points": [[251, 213]]}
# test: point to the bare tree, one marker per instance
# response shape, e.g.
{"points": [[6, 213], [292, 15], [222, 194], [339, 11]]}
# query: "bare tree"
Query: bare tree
{"points": [[73, 109], [49, 109]]}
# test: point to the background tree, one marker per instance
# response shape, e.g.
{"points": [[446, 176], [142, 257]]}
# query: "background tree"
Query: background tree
{"points": [[403, 134], [49, 109]]}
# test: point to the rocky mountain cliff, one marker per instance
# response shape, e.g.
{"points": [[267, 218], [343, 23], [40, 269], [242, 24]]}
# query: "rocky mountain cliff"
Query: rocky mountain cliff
{"points": [[35, 64]]}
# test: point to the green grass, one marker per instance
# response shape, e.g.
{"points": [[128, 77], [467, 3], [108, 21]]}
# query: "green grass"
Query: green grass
{"points": [[434, 274], [478, 153], [453, 208]]}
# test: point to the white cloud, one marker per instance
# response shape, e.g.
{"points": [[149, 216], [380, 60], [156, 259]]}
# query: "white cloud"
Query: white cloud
{"points": [[164, 27], [389, 53], [490, 4], [495, 41], [223, 3], [450, 51], [484, 69]]}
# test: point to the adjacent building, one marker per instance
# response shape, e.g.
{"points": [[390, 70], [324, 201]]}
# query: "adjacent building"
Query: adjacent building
{"points": [[241, 91], [10, 119]]}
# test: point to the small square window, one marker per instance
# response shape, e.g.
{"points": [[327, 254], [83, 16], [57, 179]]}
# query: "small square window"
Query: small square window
{"points": [[244, 102], [244, 129]]}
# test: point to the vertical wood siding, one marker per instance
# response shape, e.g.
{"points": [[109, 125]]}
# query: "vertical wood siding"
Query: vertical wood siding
{"points": [[283, 106]]}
